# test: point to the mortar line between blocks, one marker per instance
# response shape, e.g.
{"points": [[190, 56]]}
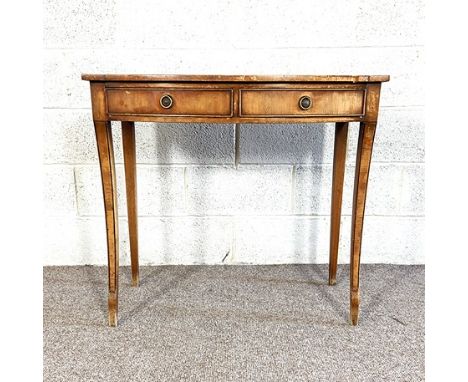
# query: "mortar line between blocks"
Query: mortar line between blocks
{"points": [[247, 216], [259, 48], [222, 165], [75, 183], [233, 239], [185, 189], [236, 145], [293, 188]]}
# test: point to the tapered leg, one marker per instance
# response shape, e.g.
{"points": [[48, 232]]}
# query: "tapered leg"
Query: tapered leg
{"points": [[363, 160], [339, 160], [106, 160], [128, 137]]}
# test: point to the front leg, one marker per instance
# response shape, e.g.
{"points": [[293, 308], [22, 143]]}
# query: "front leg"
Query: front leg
{"points": [[363, 160], [108, 177]]}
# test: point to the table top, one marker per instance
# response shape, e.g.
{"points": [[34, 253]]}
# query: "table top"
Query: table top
{"points": [[234, 78]]}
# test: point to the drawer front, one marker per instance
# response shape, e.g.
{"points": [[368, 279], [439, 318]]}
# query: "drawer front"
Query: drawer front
{"points": [[297, 102], [169, 101]]}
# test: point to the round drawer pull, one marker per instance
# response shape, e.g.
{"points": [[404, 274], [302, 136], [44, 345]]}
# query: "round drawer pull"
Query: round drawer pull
{"points": [[305, 102], [166, 101]]}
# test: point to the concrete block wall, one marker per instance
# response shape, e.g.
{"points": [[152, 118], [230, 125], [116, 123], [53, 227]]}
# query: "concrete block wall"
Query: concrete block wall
{"points": [[195, 205]]}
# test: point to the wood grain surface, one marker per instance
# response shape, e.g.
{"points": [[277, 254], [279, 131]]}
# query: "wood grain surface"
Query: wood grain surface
{"points": [[234, 99]]}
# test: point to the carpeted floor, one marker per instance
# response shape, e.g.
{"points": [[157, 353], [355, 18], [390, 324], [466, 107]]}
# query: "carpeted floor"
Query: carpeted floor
{"points": [[234, 323]]}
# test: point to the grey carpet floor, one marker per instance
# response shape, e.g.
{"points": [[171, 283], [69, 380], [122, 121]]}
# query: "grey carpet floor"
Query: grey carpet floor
{"points": [[234, 323]]}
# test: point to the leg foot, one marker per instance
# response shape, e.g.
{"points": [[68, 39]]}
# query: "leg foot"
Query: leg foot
{"points": [[354, 307], [112, 301]]}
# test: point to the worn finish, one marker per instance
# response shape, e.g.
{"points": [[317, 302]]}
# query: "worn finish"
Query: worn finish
{"points": [[234, 99], [232, 78]]}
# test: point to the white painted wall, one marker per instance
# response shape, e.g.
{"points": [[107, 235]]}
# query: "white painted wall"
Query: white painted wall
{"points": [[195, 206]]}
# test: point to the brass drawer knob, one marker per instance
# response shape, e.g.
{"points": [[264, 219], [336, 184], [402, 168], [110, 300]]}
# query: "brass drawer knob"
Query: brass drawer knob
{"points": [[305, 103], [166, 101]]}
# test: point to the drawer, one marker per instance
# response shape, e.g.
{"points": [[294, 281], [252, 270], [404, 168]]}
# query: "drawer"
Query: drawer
{"points": [[170, 101], [298, 102]]}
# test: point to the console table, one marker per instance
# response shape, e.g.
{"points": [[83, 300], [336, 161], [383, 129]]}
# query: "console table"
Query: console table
{"points": [[234, 99]]}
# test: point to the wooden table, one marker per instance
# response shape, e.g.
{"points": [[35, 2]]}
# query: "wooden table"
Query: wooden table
{"points": [[234, 99]]}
